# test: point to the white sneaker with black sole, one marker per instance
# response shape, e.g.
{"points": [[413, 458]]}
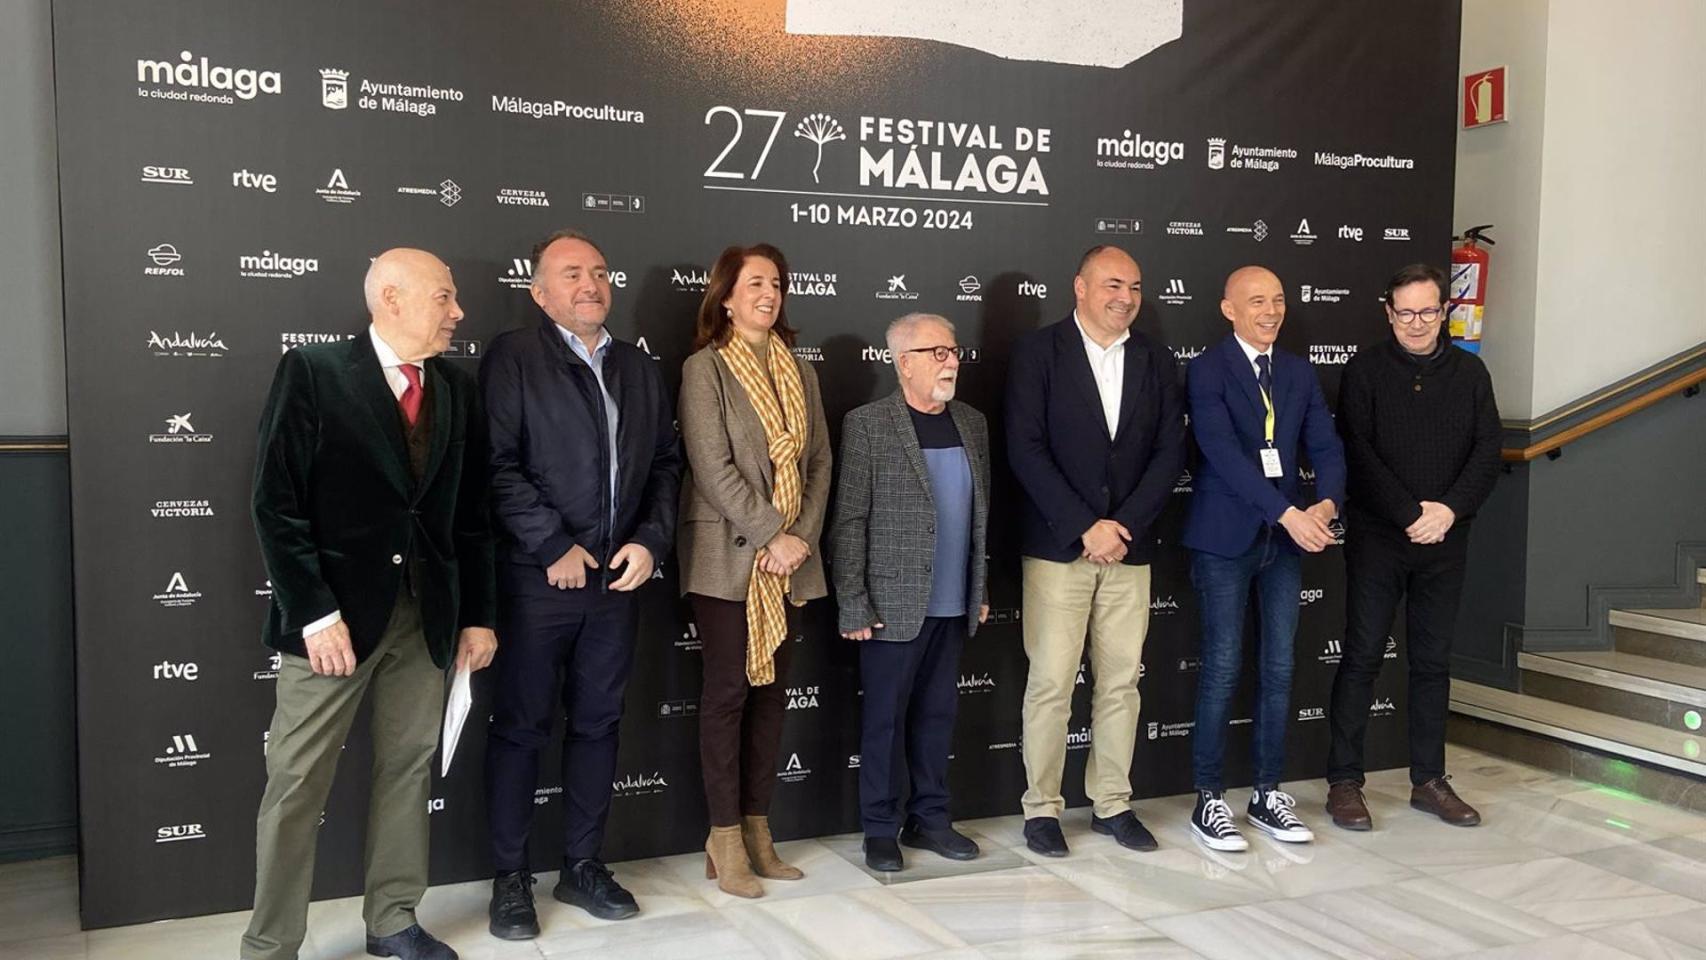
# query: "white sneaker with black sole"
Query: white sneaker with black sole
{"points": [[1270, 812], [1211, 824]]}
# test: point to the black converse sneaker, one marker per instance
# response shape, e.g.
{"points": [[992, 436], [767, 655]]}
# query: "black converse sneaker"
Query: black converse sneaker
{"points": [[1211, 823], [1270, 812]]}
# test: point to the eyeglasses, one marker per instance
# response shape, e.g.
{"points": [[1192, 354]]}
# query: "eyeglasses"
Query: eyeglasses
{"points": [[939, 354], [1428, 316]]}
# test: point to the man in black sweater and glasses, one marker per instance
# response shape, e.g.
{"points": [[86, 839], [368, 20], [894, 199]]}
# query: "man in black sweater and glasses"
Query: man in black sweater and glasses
{"points": [[1422, 437]]}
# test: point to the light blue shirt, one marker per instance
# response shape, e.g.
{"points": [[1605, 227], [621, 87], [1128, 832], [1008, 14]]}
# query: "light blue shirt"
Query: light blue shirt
{"points": [[595, 361]]}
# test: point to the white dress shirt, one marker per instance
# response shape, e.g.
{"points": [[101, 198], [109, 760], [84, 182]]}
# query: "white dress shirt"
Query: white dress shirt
{"points": [[1252, 353], [392, 365], [1108, 367]]}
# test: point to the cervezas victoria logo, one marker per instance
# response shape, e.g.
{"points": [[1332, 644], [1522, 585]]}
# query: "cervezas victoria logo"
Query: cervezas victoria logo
{"points": [[181, 509], [196, 79]]}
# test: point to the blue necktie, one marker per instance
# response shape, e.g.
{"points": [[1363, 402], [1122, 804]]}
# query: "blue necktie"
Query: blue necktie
{"points": [[1264, 375]]}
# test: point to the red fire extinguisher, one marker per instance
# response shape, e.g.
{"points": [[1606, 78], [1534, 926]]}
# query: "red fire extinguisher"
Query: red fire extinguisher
{"points": [[1470, 265]]}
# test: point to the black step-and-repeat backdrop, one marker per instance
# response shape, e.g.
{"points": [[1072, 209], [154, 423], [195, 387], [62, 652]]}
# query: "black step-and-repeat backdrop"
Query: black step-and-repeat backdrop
{"points": [[227, 170]]}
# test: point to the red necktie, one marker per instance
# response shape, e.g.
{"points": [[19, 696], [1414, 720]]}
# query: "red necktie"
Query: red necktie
{"points": [[411, 398]]}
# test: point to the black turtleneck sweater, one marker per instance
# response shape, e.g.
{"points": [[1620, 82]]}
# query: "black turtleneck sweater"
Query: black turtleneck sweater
{"points": [[1417, 428]]}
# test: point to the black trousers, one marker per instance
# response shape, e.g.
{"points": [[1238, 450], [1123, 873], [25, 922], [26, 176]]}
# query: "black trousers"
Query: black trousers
{"points": [[740, 725], [1381, 569], [907, 725], [575, 647]]}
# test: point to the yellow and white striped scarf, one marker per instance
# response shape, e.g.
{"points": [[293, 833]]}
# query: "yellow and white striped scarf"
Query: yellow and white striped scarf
{"points": [[783, 413]]}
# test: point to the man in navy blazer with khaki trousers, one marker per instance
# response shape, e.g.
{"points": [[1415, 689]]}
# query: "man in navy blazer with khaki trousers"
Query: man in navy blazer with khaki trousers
{"points": [[1254, 408], [1095, 436]]}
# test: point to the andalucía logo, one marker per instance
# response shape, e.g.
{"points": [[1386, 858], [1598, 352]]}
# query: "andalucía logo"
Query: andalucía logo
{"points": [[190, 344], [641, 785]]}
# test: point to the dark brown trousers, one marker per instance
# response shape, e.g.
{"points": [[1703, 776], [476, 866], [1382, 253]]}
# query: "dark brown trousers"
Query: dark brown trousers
{"points": [[740, 725]]}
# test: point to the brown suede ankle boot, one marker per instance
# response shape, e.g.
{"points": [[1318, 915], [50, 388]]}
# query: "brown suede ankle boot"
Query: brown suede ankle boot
{"points": [[726, 863], [762, 851]]}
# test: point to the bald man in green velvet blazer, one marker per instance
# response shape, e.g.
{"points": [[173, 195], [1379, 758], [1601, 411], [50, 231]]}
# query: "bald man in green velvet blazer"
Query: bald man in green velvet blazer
{"points": [[370, 505]]}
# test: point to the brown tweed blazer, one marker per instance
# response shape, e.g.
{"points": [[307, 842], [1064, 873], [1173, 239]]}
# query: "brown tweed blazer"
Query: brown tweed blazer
{"points": [[725, 498]]}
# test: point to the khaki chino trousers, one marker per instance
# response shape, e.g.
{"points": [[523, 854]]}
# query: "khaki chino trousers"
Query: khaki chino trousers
{"points": [[1063, 602], [309, 726]]}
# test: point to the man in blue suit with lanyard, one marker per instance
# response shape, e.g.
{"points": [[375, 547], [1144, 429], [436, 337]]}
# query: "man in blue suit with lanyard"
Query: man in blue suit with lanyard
{"points": [[1253, 408]]}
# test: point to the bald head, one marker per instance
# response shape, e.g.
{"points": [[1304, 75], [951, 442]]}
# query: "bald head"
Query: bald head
{"points": [[1255, 304], [1242, 277], [412, 302], [398, 267]]}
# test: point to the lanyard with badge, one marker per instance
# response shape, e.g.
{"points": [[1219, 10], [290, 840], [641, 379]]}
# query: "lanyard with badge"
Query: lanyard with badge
{"points": [[1271, 468]]}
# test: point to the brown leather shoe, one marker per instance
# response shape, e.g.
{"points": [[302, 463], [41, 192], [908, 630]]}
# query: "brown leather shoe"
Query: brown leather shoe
{"points": [[1347, 807], [1437, 797]]}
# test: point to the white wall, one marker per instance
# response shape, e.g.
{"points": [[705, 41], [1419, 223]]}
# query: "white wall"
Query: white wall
{"points": [[1623, 193], [32, 331], [1498, 182], [1597, 185]]}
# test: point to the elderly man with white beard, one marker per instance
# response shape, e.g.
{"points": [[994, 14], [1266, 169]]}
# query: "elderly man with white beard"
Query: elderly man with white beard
{"points": [[907, 554]]}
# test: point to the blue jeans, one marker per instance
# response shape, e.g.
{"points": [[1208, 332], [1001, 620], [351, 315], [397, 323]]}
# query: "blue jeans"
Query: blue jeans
{"points": [[1223, 590]]}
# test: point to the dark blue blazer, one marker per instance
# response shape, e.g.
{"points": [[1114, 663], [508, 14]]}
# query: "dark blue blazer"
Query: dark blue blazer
{"points": [[550, 453], [1233, 501], [1072, 471]]}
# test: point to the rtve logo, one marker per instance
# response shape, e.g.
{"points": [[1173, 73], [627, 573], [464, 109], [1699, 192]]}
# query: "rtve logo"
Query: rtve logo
{"points": [[167, 670]]}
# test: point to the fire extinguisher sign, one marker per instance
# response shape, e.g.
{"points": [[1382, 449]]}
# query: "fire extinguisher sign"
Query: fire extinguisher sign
{"points": [[1484, 98]]}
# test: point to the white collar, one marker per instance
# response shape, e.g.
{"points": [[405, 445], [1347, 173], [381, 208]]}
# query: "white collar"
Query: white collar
{"points": [[387, 357], [1090, 342], [1251, 353]]}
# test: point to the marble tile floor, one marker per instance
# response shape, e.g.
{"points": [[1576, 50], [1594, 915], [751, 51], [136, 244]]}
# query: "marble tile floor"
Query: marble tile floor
{"points": [[1560, 869]]}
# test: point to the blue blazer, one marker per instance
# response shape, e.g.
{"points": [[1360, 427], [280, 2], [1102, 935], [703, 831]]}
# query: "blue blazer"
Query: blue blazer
{"points": [[1072, 471], [1233, 501]]}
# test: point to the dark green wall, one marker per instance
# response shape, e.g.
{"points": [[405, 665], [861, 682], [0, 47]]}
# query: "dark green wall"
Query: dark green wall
{"points": [[38, 751]]}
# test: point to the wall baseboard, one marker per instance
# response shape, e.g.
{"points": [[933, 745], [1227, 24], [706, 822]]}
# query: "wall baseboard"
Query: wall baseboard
{"points": [[37, 842]]}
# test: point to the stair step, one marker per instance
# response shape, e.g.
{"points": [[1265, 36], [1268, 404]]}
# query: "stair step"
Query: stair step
{"points": [[1645, 676], [1621, 737], [1688, 624]]}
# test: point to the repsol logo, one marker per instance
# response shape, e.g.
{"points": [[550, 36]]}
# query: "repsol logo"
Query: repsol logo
{"points": [[194, 72]]}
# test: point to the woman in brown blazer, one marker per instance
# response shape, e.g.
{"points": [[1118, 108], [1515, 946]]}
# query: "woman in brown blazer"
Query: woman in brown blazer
{"points": [[752, 509]]}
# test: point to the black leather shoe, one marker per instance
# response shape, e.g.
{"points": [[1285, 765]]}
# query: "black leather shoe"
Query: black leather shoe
{"points": [[944, 842], [512, 913], [589, 885], [882, 853], [1126, 829], [1042, 835], [412, 944]]}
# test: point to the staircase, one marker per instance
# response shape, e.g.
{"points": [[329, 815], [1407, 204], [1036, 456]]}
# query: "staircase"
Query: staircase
{"points": [[1632, 717]]}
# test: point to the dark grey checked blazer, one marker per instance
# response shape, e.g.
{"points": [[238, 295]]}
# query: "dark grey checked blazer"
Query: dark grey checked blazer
{"points": [[883, 536]]}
